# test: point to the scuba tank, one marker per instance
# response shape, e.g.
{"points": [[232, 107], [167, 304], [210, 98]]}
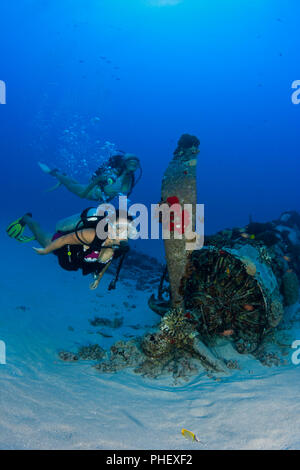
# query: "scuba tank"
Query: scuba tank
{"points": [[88, 219]]}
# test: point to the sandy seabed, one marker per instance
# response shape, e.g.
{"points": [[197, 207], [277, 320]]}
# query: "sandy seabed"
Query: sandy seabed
{"points": [[49, 404]]}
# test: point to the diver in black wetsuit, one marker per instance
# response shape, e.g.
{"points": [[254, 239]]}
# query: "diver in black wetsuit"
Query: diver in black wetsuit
{"points": [[82, 249]]}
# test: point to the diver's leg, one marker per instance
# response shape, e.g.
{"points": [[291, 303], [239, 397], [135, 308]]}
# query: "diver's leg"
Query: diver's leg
{"points": [[42, 237], [68, 224], [72, 185]]}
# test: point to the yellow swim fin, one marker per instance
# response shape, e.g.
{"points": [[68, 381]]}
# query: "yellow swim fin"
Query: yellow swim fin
{"points": [[15, 230]]}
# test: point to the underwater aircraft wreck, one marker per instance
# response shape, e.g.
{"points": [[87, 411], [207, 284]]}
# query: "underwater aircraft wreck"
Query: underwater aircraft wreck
{"points": [[239, 283], [236, 286]]}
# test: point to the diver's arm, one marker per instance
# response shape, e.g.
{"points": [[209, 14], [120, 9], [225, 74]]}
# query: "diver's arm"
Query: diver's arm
{"points": [[87, 236], [105, 257], [96, 282], [98, 180], [127, 182], [123, 185], [107, 252], [91, 186]]}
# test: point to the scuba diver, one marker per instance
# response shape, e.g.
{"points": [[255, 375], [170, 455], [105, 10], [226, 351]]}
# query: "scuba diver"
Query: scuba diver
{"points": [[114, 177], [82, 248]]}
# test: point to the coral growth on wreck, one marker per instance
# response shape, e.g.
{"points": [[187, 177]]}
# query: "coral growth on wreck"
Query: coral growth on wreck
{"points": [[185, 143], [175, 333], [169, 350]]}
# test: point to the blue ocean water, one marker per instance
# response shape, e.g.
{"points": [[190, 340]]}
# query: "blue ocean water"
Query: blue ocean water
{"points": [[151, 70], [83, 76]]}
